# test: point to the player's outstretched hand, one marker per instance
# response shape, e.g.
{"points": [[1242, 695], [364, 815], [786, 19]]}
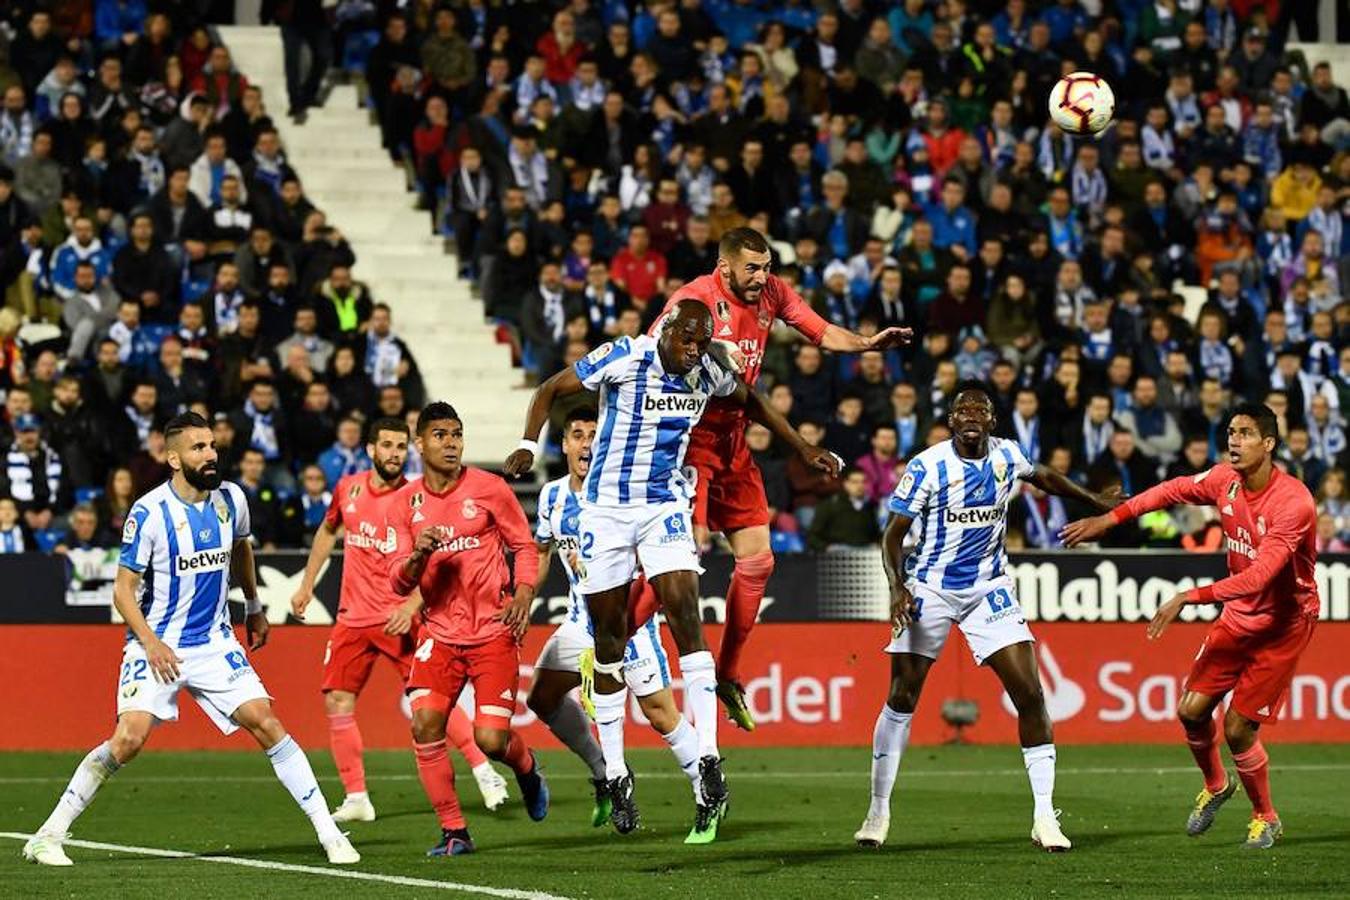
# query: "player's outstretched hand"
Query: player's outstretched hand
{"points": [[822, 459], [1085, 530], [519, 462], [902, 607], [1166, 615], [258, 628], [163, 661], [890, 337], [516, 614]]}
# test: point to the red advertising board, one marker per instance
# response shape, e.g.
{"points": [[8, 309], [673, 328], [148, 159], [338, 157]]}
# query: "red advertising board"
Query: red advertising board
{"points": [[808, 684]]}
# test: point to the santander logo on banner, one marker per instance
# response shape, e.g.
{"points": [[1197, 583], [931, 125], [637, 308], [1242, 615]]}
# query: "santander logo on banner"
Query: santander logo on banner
{"points": [[1064, 698]]}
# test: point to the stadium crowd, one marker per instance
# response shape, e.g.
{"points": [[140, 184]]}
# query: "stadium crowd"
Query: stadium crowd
{"points": [[158, 253]]}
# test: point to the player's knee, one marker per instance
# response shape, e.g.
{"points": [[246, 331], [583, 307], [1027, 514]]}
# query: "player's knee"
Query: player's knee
{"points": [[663, 716], [1028, 699], [492, 741], [126, 745], [1193, 715], [541, 704], [903, 697], [427, 725], [339, 703], [1238, 731], [610, 647]]}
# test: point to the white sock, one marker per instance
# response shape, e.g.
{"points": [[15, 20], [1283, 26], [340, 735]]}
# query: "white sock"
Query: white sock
{"points": [[700, 691], [609, 721], [97, 767], [889, 738], [293, 770], [1040, 762], [683, 743], [569, 724]]}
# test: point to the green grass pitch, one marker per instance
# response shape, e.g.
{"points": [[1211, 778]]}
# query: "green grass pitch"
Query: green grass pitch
{"points": [[960, 828]]}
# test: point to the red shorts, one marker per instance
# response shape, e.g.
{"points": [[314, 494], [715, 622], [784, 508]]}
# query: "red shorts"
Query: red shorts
{"points": [[352, 651], [493, 669], [1257, 668], [728, 490]]}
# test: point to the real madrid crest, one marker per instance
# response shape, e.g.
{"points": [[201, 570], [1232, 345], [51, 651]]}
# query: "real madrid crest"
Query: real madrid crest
{"points": [[765, 319], [469, 509]]}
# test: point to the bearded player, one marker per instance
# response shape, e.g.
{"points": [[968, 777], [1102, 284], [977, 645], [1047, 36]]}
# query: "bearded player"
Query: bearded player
{"points": [[1270, 607], [745, 299], [451, 531], [372, 622]]}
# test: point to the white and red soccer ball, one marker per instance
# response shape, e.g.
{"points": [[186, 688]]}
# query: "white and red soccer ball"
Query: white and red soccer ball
{"points": [[1082, 103]]}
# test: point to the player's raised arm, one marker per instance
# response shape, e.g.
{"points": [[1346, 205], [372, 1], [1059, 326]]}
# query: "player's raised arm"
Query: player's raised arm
{"points": [[1050, 481], [770, 418], [1186, 490]]}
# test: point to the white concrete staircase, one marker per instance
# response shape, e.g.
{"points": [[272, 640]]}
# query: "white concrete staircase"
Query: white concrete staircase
{"points": [[348, 175], [1336, 54]]}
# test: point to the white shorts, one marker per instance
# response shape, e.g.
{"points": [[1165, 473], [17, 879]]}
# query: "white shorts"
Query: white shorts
{"points": [[989, 617], [217, 675], [645, 668], [615, 539]]}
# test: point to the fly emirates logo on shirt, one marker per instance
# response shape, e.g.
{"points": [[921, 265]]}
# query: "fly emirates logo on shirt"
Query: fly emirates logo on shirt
{"points": [[366, 537], [450, 543], [1242, 544]]}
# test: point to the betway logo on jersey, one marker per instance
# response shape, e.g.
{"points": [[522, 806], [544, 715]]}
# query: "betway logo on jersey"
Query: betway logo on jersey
{"points": [[674, 404], [973, 515], [202, 561]]}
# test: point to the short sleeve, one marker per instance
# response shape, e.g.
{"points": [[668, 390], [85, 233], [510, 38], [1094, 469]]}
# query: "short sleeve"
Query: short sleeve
{"points": [[333, 516], [795, 311], [721, 383], [604, 363], [1022, 467], [243, 524], [912, 493], [543, 528], [137, 547]]}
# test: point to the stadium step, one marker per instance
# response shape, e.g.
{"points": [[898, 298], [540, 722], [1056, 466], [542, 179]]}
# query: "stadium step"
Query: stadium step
{"points": [[348, 175]]}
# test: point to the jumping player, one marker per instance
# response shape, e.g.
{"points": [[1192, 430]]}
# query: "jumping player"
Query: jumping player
{"points": [[958, 491], [372, 620], [635, 511], [181, 543], [745, 299], [1270, 607], [560, 663], [450, 534]]}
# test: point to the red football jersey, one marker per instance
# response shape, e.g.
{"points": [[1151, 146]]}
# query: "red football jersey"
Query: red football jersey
{"points": [[1272, 544], [366, 597], [466, 582], [747, 326]]}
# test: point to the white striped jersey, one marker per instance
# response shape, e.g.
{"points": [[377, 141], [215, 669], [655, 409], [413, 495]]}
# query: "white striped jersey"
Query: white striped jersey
{"points": [[961, 509], [558, 523], [183, 551], [645, 418]]}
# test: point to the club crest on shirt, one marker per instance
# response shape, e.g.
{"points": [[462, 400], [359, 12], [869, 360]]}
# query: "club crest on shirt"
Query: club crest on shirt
{"points": [[765, 319], [222, 511], [1232, 491], [724, 310], [469, 509], [1000, 472]]}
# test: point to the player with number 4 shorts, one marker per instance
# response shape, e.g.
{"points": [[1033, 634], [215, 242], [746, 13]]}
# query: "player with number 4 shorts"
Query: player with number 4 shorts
{"points": [[958, 493], [635, 514], [373, 622], [1270, 608], [181, 543], [451, 532], [567, 659]]}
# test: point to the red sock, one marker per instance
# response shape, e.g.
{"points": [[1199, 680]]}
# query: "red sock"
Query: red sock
{"points": [[1253, 767], [1205, 749], [518, 755], [642, 604], [344, 737], [748, 582], [459, 728], [438, 780]]}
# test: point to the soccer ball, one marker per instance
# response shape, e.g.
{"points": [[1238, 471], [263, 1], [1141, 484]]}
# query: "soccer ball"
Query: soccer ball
{"points": [[1082, 103]]}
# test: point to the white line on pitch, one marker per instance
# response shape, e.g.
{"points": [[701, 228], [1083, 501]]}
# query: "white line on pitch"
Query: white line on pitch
{"points": [[678, 776], [403, 880]]}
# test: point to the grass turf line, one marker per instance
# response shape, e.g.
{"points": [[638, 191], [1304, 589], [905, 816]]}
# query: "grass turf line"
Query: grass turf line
{"points": [[961, 821]]}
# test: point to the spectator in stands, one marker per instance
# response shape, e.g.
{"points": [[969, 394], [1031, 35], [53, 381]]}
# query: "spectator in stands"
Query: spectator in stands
{"points": [[302, 513], [33, 475], [263, 505], [322, 248], [909, 426], [314, 421], [544, 314], [88, 310], [847, 434], [343, 305], [74, 431], [773, 471], [1153, 428], [347, 455], [472, 197], [37, 177], [813, 384], [306, 336], [879, 466], [83, 245], [142, 270], [1297, 457], [15, 536], [261, 425], [809, 487], [177, 384], [847, 519], [638, 269]]}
